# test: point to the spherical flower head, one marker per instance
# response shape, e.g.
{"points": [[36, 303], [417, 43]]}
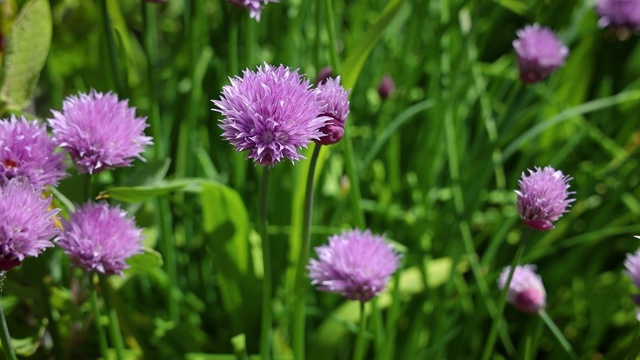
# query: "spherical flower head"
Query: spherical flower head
{"points": [[27, 225], [619, 14], [99, 132], [386, 87], [356, 264], [543, 197], [100, 238], [271, 112], [254, 6], [27, 152], [526, 291], [539, 53], [336, 99]]}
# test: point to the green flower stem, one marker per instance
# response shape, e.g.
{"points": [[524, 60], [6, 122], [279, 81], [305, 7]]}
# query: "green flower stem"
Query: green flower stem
{"points": [[114, 324], [361, 341], [52, 326], [301, 271], [635, 348], [95, 307], [558, 334], [265, 340], [150, 43], [111, 46], [491, 340], [333, 47], [7, 346]]}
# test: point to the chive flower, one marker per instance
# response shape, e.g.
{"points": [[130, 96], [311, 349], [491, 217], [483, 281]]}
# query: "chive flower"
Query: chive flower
{"points": [[99, 131], [336, 101], [619, 14], [27, 153], [539, 53], [271, 112], [356, 264], [632, 265], [543, 197], [254, 6], [386, 87], [100, 238], [27, 224], [526, 291]]}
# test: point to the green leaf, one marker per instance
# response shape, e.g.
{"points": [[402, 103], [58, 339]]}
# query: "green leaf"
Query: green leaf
{"points": [[146, 261], [27, 50], [133, 194]]}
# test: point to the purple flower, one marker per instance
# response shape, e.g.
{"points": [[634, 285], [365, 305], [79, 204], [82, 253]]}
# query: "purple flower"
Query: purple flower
{"points": [[100, 238], [324, 74], [254, 6], [619, 14], [26, 223], [356, 264], [632, 264], [526, 291], [99, 131], [539, 53], [336, 99], [27, 152], [543, 197], [386, 87], [271, 112]]}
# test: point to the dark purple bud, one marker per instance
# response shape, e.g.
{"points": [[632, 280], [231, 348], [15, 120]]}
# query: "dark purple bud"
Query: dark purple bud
{"points": [[386, 87], [324, 74]]}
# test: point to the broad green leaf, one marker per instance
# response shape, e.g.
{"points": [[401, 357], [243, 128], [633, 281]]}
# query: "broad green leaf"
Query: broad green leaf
{"points": [[132, 194], [147, 260], [27, 50]]}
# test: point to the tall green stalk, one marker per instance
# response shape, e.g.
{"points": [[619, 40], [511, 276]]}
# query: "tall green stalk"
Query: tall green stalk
{"points": [[114, 325], [95, 307], [557, 334], [7, 346], [488, 349], [301, 271], [265, 339], [111, 47], [361, 341]]}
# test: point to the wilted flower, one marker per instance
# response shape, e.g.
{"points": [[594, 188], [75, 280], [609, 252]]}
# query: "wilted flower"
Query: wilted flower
{"points": [[100, 238], [324, 74], [27, 152], [336, 99], [539, 53], [526, 291], [99, 132], [356, 264], [623, 14], [543, 197], [254, 6], [386, 87], [271, 112], [27, 225]]}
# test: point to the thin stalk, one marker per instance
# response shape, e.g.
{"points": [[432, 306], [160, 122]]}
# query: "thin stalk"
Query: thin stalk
{"points": [[333, 49], [95, 307], [635, 348], [111, 47], [301, 271], [7, 345], [558, 334], [114, 324], [150, 42], [361, 341], [392, 319], [251, 40], [265, 340], [58, 350], [239, 161], [491, 340]]}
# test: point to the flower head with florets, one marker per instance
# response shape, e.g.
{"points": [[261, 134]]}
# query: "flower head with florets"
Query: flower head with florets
{"points": [[254, 6], [336, 99], [272, 113], [27, 225], [526, 291], [356, 264], [100, 238], [620, 14], [27, 152], [543, 197], [539, 53], [632, 266], [99, 132]]}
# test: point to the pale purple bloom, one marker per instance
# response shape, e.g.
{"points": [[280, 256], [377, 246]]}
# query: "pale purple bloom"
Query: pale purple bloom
{"points": [[539, 53], [99, 132], [386, 87], [272, 113], [27, 225], [543, 197], [254, 6], [356, 264], [27, 152], [100, 238], [619, 14], [336, 99], [526, 291], [632, 264]]}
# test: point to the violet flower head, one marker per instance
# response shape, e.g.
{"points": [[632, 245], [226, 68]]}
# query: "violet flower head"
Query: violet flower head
{"points": [[543, 197], [27, 152], [100, 238], [272, 113], [27, 225], [539, 53], [99, 132], [336, 99], [526, 291], [619, 14], [632, 265], [356, 264], [254, 6]]}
